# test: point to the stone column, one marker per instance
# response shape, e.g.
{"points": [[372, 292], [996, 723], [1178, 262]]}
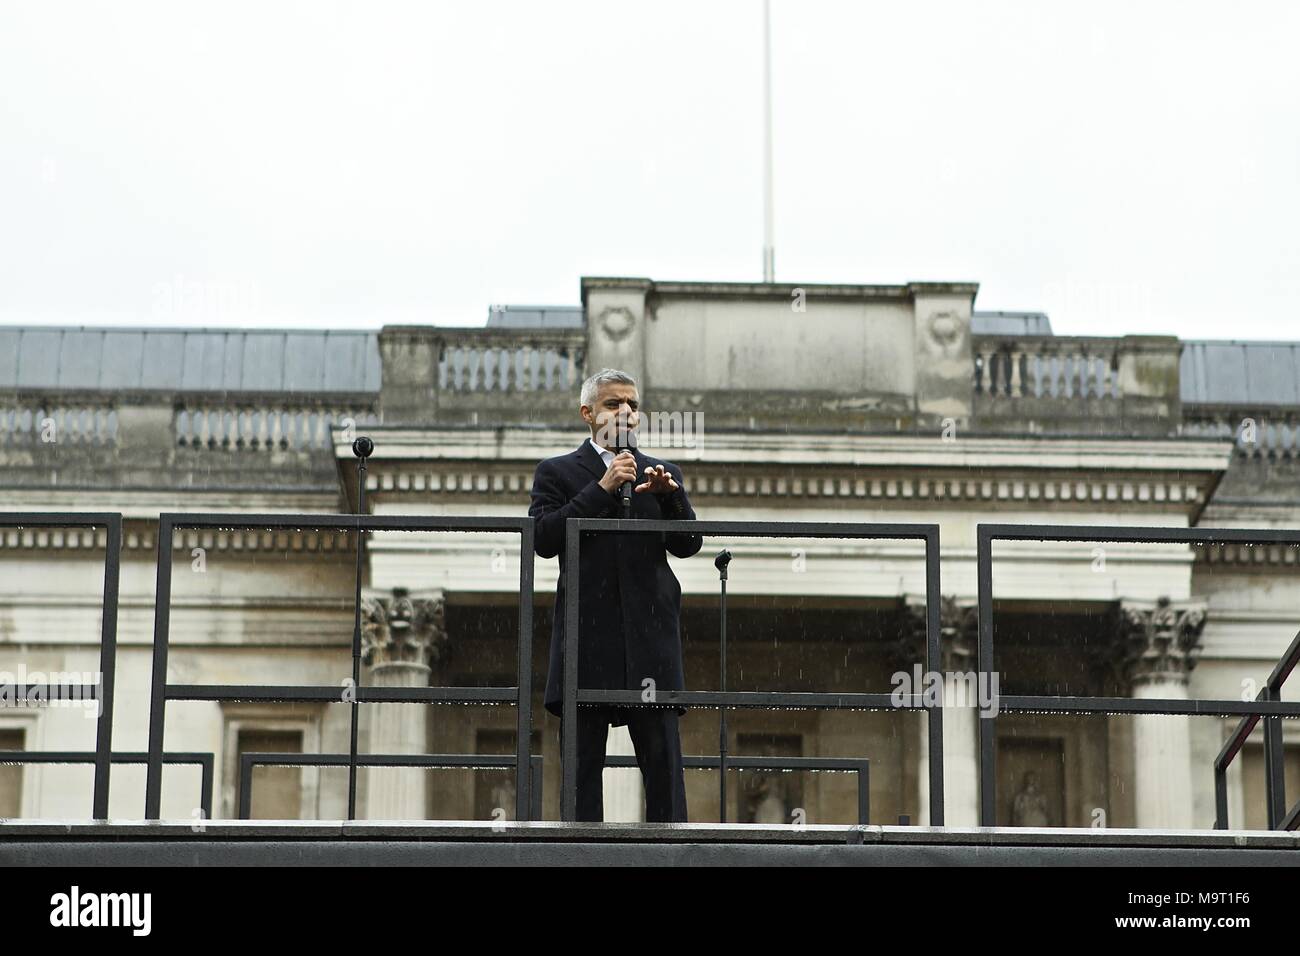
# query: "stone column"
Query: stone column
{"points": [[958, 622], [623, 788], [400, 637], [1158, 646]]}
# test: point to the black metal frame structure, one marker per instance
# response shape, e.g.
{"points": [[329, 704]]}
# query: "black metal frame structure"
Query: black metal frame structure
{"points": [[858, 765], [111, 522], [163, 691], [250, 760], [1279, 818], [988, 533], [768, 700], [203, 760]]}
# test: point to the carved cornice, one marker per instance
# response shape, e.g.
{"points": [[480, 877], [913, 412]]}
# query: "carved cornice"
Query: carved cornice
{"points": [[143, 536], [814, 483], [1247, 555]]}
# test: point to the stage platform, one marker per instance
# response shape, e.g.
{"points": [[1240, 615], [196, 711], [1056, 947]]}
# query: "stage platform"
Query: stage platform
{"points": [[548, 843]]}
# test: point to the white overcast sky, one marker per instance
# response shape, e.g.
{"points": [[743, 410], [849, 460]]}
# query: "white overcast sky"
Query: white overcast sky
{"points": [[1125, 167]]}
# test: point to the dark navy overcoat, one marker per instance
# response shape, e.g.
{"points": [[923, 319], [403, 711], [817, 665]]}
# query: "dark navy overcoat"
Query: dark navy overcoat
{"points": [[629, 598]]}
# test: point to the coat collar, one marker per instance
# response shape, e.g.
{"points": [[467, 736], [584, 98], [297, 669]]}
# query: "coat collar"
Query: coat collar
{"points": [[591, 460]]}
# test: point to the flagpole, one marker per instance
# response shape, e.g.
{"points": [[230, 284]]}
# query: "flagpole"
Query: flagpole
{"points": [[769, 250]]}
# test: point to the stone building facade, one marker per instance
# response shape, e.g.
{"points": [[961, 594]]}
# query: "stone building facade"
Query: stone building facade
{"points": [[793, 403]]}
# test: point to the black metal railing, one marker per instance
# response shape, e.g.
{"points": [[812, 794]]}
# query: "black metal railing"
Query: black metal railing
{"points": [[1267, 706], [250, 760], [1279, 818], [988, 533], [164, 691], [768, 700], [204, 761], [111, 522], [860, 766]]}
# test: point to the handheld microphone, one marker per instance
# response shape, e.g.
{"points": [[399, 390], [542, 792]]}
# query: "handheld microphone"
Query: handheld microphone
{"points": [[625, 489], [624, 442]]}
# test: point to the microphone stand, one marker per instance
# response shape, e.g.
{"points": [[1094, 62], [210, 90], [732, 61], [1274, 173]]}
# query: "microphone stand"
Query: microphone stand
{"points": [[362, 448], [625, 489], [720, 562]]}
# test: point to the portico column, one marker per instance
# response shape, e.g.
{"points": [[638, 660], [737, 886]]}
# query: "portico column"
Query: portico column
{"points": [[401, 635], [622, 787], [958, 621], [1159, 646]]}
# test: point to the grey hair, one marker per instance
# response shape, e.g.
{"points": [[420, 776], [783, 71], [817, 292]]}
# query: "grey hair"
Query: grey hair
{"points": [[606, 375]]}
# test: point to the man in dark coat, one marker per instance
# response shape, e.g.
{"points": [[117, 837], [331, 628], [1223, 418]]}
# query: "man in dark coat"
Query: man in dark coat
{"points": [[629, 635]]}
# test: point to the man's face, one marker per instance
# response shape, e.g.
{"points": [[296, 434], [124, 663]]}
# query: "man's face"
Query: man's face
{"points": [[616, 409]]}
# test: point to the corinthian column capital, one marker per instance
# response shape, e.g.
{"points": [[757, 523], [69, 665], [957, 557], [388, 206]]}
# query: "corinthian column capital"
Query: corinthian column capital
{"points": [[400, 629], [1159, 640], [958, 632]]}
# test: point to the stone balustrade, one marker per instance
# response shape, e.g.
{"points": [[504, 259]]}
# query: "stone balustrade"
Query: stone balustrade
{"points": [[225, 423], [58, 420], [1050, 366]]}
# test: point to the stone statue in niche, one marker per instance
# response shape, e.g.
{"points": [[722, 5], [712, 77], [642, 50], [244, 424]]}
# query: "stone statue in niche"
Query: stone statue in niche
{"points": [[503, 796], [769, 796], [1029, 808], [767, 803]]}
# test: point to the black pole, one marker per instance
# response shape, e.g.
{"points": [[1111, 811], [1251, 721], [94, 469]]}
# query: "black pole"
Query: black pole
{"points": [[720, 562], [362, 448]]}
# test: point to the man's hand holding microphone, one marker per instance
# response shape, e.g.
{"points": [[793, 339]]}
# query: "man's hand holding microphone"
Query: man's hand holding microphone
{"points": [[623, 469]]}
